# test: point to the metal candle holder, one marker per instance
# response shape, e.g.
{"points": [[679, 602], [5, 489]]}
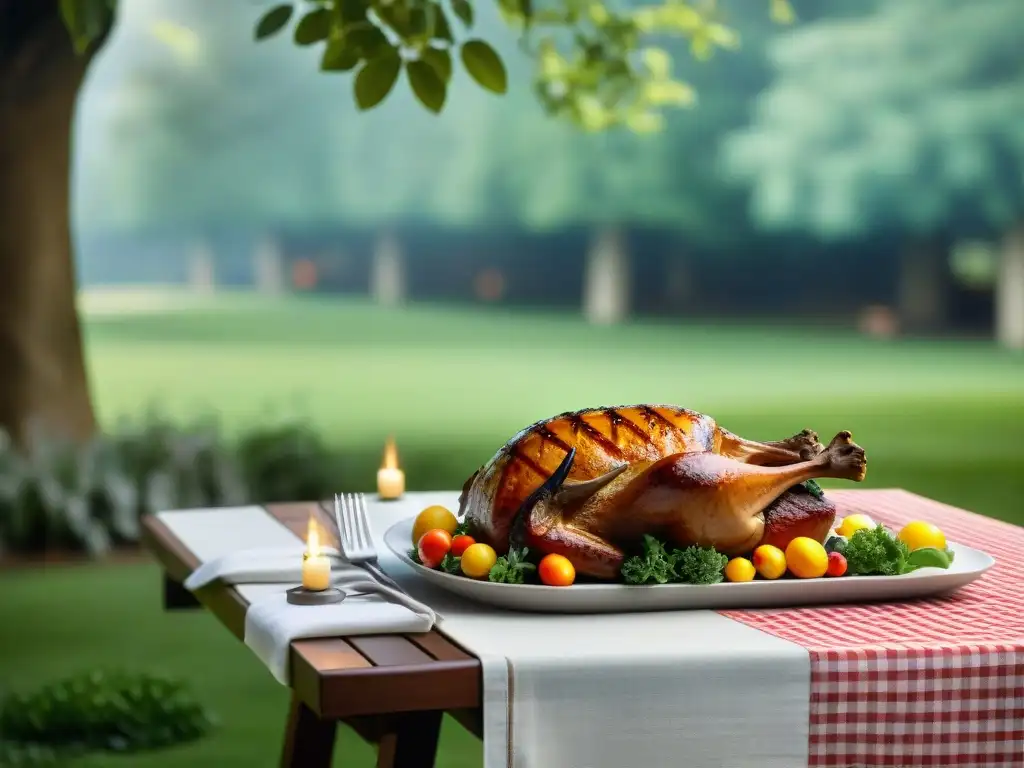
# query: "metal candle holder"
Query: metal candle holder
{"points": [[303, 596]]}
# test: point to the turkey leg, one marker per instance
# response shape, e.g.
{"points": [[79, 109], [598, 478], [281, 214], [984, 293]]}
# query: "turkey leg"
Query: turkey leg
{"points": [[800, 447], [715, 501]]}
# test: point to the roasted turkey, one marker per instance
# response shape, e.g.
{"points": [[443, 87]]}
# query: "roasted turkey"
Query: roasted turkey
{"points": [[589, 484]]}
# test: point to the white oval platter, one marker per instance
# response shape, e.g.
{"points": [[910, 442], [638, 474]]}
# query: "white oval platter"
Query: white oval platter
{"points": [[968, 564]]}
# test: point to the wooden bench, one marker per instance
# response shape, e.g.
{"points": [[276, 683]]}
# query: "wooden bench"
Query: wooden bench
{"points": [[391, 689]]}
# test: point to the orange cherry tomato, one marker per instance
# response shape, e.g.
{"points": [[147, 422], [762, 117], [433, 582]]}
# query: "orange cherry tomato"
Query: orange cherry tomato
{"points": [[556, 571], [433, 546], [461, 543]]}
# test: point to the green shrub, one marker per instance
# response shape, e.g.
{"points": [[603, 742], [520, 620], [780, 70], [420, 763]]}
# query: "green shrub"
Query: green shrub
{"points": [[99, 711], [90, 498]]}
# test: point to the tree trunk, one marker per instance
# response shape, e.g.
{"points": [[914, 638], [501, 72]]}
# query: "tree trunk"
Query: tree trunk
{"points": [[202, 274], [268, 269], [387, 278], [1010, 290], [923, 288], [43, 382], [606, 286]]}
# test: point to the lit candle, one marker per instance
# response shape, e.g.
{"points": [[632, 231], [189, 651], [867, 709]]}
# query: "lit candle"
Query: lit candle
{"points": [[316, 568], [390, 479]]}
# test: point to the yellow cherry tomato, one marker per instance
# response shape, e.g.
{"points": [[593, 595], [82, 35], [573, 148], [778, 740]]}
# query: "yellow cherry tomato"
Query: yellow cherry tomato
{"points": [[854, 523], [769, 561], [477, 560], [740, 569], [431, 518], [919, 534], [806, 558]]}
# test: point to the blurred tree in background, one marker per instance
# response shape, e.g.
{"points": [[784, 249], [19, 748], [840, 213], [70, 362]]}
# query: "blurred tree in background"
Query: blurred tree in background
{"points": [[597, 67], [906, 119]]}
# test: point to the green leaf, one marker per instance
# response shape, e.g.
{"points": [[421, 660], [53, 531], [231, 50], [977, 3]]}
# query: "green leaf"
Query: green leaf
{"points": [[273, 21], [86, 21], [367, 39], [427, 85], [484, 65], [464, 11], [339, 56], [376, 79], [313, 27], [350, 11], [440, 60], [442, 29], [929, 557]]}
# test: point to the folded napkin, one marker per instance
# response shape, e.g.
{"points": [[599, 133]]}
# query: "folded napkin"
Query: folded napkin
{"points": [[272, 623], [266, 565]]}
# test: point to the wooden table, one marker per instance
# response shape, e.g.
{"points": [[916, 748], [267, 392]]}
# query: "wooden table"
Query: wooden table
{"points": [[391, 689]]}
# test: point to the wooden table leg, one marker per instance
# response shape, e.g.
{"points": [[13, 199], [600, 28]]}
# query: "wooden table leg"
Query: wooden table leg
{"points": [[308, 740], [412, 742]]}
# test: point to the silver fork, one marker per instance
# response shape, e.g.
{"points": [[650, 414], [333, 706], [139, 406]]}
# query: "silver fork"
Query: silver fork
{"points": [[355, 537]]}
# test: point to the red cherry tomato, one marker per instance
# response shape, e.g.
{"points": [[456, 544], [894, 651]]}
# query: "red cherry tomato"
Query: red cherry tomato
{"points": [[461, 543], [836, 564], [433, 546]]}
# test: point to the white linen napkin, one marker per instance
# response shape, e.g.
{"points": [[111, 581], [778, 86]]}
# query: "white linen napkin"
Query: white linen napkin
{"points": [[246, 547], [369, 608], [265, 565]]}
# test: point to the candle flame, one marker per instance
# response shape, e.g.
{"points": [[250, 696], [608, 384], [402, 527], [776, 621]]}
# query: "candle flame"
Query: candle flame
{"points": [[390, 455], [313, 538]]}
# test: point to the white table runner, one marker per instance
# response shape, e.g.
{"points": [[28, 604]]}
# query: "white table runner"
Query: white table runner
{"points": [[656, 689]]}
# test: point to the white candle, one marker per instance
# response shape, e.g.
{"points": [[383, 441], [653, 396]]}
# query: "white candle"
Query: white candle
{"points": [[390, 479], [316, 568]]}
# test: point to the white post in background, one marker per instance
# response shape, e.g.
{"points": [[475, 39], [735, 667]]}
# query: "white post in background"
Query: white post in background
{"points": [[202, 277], [1009, 290], [606, 286], [387, 272], [267, 267]]}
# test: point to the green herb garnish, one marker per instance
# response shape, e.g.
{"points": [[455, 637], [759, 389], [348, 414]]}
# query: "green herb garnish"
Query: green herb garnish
{"points": [[462, 529], [511, 568], [699, 565], [654, 566], [693, 565], [414, 555], [813, 488], [451, 564], [876, 552]]}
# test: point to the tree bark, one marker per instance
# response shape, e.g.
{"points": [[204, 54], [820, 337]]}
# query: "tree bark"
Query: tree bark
{"points": [[606, 284], [1009, 299], [43, 382]]}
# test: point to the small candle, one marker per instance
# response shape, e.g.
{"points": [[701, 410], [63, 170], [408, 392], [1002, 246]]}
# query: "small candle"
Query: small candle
{"points": [[316, 568], [390, 479]]}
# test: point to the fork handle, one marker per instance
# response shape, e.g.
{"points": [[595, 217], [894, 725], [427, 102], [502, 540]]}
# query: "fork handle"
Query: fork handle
{"points": [[375, 571]]}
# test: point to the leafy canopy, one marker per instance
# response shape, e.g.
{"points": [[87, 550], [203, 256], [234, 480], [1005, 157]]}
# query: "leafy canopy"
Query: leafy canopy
{"points": [[595, 64], [907, 116]]}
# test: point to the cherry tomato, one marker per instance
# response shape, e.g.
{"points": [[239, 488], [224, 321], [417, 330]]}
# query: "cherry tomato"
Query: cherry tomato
{"points": [[461, 543], [836, 564], [433, 546], [556, 571], [477, 560]]}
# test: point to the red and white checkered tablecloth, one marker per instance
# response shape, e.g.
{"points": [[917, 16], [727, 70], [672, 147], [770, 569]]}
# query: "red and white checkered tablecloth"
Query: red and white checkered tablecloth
{"points": [[936, 682]]}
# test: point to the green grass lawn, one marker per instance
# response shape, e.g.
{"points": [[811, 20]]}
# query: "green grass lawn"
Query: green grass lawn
{"points": [[942, 419]]}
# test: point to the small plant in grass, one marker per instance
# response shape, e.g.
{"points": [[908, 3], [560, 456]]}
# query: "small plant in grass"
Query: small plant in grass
{"points": [[98, 711]]}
